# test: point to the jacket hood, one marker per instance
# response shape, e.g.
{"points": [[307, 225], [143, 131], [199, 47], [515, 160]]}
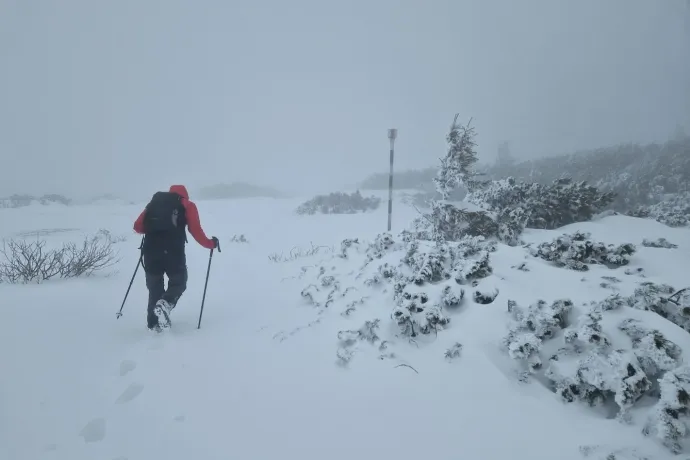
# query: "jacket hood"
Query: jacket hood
{"points": [[180, 190]]}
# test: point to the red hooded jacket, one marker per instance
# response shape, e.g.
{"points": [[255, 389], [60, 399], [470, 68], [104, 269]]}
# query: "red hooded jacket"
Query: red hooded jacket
{"points": [[192, 214]]}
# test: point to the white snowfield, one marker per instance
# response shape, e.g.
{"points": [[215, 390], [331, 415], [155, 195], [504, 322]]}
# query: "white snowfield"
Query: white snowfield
{"points": [[264, 377]]}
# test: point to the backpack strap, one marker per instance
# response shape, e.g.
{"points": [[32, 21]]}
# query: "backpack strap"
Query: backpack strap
{"points": [[185, 216]]}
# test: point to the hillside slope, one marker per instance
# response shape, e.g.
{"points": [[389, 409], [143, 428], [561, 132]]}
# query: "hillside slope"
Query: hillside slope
{"points": [[263, 377]]}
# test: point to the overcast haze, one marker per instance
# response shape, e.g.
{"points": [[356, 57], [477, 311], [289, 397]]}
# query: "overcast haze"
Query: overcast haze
{"points": [[129, 96]]}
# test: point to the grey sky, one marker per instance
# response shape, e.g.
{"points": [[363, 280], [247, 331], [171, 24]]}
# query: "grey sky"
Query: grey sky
{"points": [[128, 96]]}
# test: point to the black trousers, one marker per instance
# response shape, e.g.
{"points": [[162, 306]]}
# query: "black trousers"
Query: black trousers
{"points": [[159, 262]]}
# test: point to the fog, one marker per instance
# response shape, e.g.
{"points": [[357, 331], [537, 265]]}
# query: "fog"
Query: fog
{"points": [[129, 96]]}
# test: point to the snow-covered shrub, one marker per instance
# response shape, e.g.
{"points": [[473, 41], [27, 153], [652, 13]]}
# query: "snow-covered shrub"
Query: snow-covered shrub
{"points": [[511, 223], [522, 267], [658, 243], [503, 208], [23, 261], [639, 271], [533, 325], [339, 203], [239, 239], [423, 281], [450, 223], [550, 206], [462, 261], [454, 351], [663, 300], [609, 282], [575, 251], [299, 253], [601, 377], [425, 264], [452, 297], [591, 368], [19, 201], [585, 363], [365, 333], [673, 210], [485, 298], [667, 424], [414, 316], [655, 353]]}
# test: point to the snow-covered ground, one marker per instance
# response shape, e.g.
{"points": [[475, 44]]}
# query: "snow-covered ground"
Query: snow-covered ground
{"points": [[264, 377]]}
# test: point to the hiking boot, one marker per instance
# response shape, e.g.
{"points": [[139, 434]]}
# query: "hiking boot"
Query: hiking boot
{"points": [[162, 311]]}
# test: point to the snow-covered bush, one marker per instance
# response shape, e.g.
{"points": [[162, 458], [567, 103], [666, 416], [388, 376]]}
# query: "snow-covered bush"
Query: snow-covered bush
{"points": [[23, 261], [424, 283], [339, 203], [426, 264], [533, 325], [414, 316], [540, 206], [348, 338], [658, 243], [575, 251], [601, 378], [584, 363], [673, 210], [485, 298], [663, 300], [667, 423], [299, 253], [19, 201], [239, 239], [601, 367], [503, 208], [655, 354], [446, 222], [454, 351]]}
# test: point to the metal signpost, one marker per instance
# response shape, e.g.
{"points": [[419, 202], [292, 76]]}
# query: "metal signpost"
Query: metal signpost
{"points": [[687, 65], [392, 134]]}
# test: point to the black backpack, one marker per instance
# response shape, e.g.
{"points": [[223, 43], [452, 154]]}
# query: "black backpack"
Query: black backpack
{"points": [[165, 214]]}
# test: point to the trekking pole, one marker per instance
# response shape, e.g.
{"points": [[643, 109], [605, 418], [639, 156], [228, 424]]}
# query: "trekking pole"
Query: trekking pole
{"points": [[139, 262], [208, 271]]}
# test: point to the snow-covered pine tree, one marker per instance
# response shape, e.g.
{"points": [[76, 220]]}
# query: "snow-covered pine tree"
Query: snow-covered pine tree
{"points": [[457, 167], [448, 221]]}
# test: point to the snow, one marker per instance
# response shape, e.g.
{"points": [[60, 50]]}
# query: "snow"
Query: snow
{"points": [[262, 378]]}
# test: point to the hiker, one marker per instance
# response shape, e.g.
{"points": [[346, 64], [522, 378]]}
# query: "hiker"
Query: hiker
{"points": [[163, 223]]}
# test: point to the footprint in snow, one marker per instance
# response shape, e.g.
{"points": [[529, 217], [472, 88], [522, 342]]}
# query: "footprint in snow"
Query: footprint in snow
{"points": [[94, 431], [132, 391], [126, 367]]}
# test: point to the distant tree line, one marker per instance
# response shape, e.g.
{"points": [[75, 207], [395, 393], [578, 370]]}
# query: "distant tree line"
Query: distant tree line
{"points": [[638, 175]]}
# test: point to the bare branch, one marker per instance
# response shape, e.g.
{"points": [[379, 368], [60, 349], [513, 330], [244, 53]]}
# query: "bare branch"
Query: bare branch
{"points": [[407, 365]]}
